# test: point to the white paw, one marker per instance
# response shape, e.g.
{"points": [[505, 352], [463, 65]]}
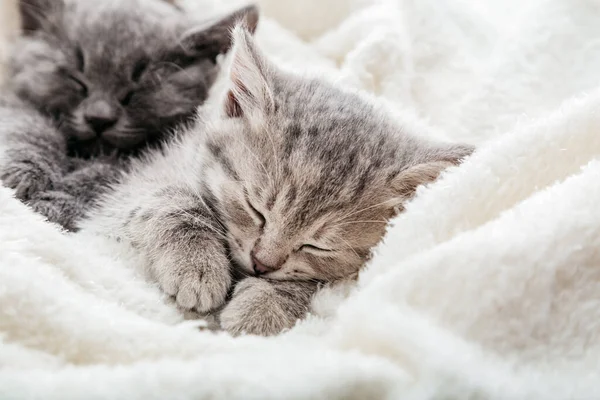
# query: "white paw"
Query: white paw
{"points": [[255, 309], [200, 284]]}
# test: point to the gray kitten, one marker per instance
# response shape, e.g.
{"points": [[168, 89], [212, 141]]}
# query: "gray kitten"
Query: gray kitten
{"points": [[287, 184], [93, 83]]}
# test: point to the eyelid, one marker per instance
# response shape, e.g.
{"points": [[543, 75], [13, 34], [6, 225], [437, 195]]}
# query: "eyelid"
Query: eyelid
{"points": [[74, 77], [126, 99], [80, 58], [312, 247], [257, 213]]}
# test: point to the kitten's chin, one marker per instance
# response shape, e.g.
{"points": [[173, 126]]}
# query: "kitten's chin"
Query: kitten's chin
{"points": [[83, 135], [123, 141]]}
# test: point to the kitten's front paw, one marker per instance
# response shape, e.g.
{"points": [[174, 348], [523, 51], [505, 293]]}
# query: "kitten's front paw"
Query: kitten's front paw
{"points": [[200, 283], [26, 182], [262, 307], [57, 207]]}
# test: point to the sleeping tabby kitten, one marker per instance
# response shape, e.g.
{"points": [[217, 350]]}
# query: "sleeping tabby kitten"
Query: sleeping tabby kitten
{"points": [[288, 183], [94, 82]]}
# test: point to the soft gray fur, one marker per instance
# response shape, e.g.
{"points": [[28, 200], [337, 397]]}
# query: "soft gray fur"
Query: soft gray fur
{"points": [[286, 184], [93, 83]]}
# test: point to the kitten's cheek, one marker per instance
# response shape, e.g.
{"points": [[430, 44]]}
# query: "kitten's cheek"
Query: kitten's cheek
{"points": [[33, 85], [241, 255]]}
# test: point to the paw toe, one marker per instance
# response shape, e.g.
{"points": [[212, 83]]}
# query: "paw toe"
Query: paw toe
{"points": [[186, 298], [169, 285]]}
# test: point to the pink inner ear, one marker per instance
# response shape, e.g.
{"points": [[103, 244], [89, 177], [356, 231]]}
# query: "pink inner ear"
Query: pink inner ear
{"points": [[233, 103], [232, 106]]}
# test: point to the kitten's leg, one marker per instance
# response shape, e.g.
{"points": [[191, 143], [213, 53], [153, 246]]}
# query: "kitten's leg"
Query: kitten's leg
{"points": [[58, 207], [94, 178], [183, 244], [33, 152], [76, 193], [265, 307]]}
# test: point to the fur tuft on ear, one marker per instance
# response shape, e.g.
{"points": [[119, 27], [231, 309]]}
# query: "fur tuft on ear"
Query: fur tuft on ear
{"points": [[210, 41], [431, 164], [407, 181], [37, 14], [249, 88]]}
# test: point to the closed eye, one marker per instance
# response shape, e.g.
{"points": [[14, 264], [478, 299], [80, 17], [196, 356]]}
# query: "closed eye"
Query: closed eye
{"points": [[138, 69], [313, 248], [81, 86], [256, 213], [79, 59], [125, 100]]}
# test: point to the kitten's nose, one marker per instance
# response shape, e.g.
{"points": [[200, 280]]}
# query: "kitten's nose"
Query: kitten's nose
{"points": [[100, 115], [261, 268]]}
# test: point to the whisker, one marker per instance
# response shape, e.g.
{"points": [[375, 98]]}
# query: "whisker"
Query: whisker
{"points": [[347, 244], [198, 196], [244, 273], [196, 219], [360, 222], [365, 209]]}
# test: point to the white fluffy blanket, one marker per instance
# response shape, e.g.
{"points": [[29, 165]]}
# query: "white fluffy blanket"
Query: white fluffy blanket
{"points": [[488, 286]]}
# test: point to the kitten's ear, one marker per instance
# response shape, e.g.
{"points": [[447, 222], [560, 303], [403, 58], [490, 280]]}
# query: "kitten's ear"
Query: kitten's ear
{"points": [[427, 169], [216, 39], [249, 88], [37, 14]]}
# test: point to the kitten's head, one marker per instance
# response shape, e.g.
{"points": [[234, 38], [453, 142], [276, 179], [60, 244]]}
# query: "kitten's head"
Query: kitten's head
{"points": [[307, 176], [117, 74]]}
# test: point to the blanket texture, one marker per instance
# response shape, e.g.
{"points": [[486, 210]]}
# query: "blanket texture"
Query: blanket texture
{"points": [[487, 287]]}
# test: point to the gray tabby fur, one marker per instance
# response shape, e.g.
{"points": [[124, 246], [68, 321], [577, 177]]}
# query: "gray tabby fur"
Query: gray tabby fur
{"points": [[287, 184], [93, 83]]}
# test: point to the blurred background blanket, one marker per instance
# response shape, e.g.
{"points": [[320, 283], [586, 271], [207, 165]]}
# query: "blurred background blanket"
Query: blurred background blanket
{"points": [[487, 287]]}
